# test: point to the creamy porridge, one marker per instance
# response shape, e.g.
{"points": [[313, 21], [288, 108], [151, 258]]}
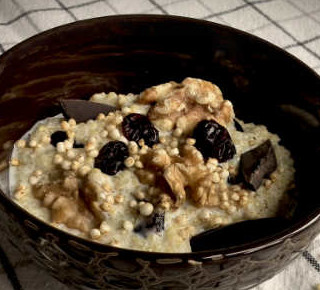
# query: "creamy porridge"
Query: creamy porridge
{"points": [[150, 171]]}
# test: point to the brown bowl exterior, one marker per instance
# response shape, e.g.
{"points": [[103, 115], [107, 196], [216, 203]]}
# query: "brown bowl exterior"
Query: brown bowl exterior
{"points": [[127, 54]]}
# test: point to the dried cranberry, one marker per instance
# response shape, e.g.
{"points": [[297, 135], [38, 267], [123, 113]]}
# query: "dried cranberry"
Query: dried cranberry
{"points": [[136, 127], [58, 136], [213, 140], [111, 157]]}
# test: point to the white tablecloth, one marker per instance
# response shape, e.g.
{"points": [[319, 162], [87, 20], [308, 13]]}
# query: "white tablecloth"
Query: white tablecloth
{"points": [[293, 25]]}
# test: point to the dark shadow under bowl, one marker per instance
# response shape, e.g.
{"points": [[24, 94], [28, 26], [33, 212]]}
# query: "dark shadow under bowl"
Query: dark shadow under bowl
{"points": [[127, 54]]}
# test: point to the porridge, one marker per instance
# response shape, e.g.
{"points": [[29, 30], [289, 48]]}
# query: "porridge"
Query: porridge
{"points": [[152, 170]]}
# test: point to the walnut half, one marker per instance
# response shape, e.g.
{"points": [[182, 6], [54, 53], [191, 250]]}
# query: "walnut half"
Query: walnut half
{"points": [[65, 204], [184, 105]]}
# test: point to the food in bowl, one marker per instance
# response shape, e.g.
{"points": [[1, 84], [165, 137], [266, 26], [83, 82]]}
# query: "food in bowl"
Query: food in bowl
{"points": [[152, 170]]}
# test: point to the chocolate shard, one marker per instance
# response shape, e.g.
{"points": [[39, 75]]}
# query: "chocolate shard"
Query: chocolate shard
{"points": [[158, 221], [238, 234], [77, 144], [237, 125], [154, 223], [257, 164], [82, 110]]}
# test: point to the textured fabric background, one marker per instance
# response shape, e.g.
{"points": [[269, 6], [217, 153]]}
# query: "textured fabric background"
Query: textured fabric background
{"points": [[294, 25]]}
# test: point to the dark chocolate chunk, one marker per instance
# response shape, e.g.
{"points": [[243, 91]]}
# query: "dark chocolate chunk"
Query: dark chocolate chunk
{"points": [[238, 125], [237, 234], [58, 136], [158, 221], [257, 164], [234, 179], [154, 223], [82, 110]]}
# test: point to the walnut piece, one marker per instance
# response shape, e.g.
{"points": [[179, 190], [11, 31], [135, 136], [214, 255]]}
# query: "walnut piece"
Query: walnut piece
{"points": [[177, 182], [177, 176], [184, 105], [66, 205]]}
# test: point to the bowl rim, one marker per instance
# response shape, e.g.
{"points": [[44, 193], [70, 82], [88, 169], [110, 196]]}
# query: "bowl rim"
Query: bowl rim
{"points": [[214, 254]]}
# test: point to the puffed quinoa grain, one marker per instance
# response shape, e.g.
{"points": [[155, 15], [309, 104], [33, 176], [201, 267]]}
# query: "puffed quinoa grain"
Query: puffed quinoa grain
{"points": [[90, 146], [104, 133], [162, 139], [61, 147], [273, 176], [133, 147], [215, 177], [217, 220], [68, 144], [129, 162], [267, 183], [109, 199], [72, 122], [37, 172], [119, 198], [66, 164], [141, 142], [45, 139], [101, 116], [119, 119], [84, 170], [114, 134], [205, 215], [33, 143], [146, 208], [95, 234], [65, 125], [104, 227], [81, 158], [232, 209], [93, 153], [127, 225], [71, 154], [138, 164], [33, 180], [174, 151], [174, 144], [114, 243], [75, 165], [102, 195], [224, 174], [15, 162], [57, 159], [139, 195], [133, 203], [20, 191], [191, 141], [235, 196], [21, 143], [107, 207]]}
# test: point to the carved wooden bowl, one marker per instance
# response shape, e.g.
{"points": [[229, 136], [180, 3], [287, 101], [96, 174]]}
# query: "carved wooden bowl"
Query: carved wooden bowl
{"points": [[127, 54]]}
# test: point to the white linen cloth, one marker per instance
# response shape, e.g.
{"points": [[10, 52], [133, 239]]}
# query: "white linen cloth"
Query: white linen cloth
{"points": [[294, 25]]}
